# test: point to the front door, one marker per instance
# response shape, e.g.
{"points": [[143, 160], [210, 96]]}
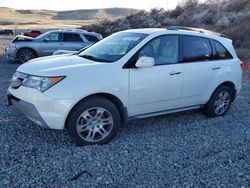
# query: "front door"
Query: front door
{"points": [[51, 43], [157, 88]]}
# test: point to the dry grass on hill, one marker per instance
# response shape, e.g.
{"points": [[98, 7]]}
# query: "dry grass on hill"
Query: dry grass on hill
{"points": [[46, 19]]}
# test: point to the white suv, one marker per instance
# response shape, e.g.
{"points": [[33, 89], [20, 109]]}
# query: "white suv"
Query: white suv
{"points": [[130, 74]]}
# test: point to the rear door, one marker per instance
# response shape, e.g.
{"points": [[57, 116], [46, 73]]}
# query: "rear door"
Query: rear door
{"points": [[72, 42], [200, 68]]}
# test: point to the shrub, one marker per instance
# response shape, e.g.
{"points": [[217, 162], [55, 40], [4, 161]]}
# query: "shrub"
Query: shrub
{"points": [[234, 19]]}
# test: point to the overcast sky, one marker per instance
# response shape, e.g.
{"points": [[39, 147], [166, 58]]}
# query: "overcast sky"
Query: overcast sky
{"points": [[87, 4]]}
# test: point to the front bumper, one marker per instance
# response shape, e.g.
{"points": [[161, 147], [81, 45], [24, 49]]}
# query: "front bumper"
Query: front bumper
{"points": [[11, 53], [27, 109], [40, 108]]}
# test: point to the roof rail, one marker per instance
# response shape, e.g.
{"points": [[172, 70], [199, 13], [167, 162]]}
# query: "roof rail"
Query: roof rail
{"points": [[195, 30], [73, 29]]}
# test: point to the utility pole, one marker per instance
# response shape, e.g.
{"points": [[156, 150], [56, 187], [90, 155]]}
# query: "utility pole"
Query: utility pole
{"points": [[218, 8]]}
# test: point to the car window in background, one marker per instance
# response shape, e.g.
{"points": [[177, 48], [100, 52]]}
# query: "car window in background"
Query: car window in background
{"points": [[221, 51], [113, 47], [165, 49], [91, 38], [55, 37], [71, 37], [196, 49]]}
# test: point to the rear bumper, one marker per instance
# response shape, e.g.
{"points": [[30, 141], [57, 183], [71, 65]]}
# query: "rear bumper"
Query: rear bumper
{"points": [[27, 109]]}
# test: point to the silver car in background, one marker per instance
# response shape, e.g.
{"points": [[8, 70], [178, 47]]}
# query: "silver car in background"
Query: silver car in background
{"points": [[23, 48]]}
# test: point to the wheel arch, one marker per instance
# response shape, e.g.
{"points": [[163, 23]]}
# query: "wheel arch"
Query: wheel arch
{"points": [[229, 84], [22, 48], [114, 99]]}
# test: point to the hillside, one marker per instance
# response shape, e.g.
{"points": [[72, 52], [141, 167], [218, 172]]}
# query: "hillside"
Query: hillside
{"points": [[45, 19], [233, 19]]}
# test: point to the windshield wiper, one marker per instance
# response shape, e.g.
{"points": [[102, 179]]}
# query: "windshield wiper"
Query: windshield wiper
{"points": [[90, 57], [93, 58]]}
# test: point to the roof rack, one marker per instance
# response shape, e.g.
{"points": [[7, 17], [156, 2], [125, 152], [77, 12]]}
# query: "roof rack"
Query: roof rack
{"points": [[195, 30], [73, 29]]}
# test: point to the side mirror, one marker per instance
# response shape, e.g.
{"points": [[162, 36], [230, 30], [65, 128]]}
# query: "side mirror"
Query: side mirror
{"points": [[45, 40], [145, 62]]}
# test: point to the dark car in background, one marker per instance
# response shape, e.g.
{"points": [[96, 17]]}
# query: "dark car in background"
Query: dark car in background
{"points": [[32, 33], [7, 32]]}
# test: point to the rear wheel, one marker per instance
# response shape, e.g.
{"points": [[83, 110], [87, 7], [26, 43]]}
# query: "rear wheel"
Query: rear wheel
{"points": [[219, 102], [94, 121], [25, 55]]}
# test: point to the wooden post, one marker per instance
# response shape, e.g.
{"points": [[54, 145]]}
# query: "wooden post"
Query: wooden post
{"points": [[218, 8]]}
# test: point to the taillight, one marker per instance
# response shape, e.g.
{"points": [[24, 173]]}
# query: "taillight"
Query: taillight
{"points": [[242, 65]]}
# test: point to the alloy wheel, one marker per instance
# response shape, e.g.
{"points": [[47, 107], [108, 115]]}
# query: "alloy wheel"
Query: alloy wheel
{"points": [[94, 124], [222, 102], [26, 55]]}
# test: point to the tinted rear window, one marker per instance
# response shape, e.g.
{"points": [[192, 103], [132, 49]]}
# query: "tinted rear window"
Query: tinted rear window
{"points": [[196, 49], [71, 37], [91, 38], [221, 52]]}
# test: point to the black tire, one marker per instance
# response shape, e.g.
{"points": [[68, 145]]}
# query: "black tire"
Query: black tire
{"points": [[88, 106], [211, 107], [25, 55]]}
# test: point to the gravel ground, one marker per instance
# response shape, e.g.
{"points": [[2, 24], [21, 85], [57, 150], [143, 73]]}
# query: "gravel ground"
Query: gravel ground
{"points": [[179, 150]]}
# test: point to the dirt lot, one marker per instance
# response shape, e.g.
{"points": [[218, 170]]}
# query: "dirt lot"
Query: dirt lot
{"points": [[179, 150], [4, 42]]}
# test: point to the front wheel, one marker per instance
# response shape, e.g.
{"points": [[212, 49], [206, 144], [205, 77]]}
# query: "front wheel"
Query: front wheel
{"points": [[219, 102], [93, 121], [25, 55]]}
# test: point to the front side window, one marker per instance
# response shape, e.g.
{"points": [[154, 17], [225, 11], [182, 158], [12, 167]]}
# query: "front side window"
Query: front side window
{"points": [[71, 37], [196, 49], [221, 51], [113, 47], [54, 37], [164, 49]]}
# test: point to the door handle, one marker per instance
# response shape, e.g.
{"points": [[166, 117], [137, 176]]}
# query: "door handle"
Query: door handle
{"points": [[174, 73], [216, 68]]}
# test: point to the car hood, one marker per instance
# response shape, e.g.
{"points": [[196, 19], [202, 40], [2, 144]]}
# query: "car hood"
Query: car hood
{"points": [[55, 65], [60, 52], [22, 38]]}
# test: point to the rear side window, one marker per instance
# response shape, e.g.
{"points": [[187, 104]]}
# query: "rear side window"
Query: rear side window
{"points": [[71, 37], [91, 38], [196, 49], [221, 52]]}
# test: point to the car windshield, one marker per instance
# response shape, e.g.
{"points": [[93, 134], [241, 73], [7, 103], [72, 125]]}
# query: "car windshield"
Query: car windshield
{"points": [[42, 35], [113, 47]]}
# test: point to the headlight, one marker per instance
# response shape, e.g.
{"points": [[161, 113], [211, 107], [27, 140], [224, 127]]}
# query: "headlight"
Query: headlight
{"points": [[12, 45], [41, 83]]}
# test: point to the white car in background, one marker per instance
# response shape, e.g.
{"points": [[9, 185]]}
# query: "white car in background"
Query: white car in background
{"points": [[128, 75]]}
